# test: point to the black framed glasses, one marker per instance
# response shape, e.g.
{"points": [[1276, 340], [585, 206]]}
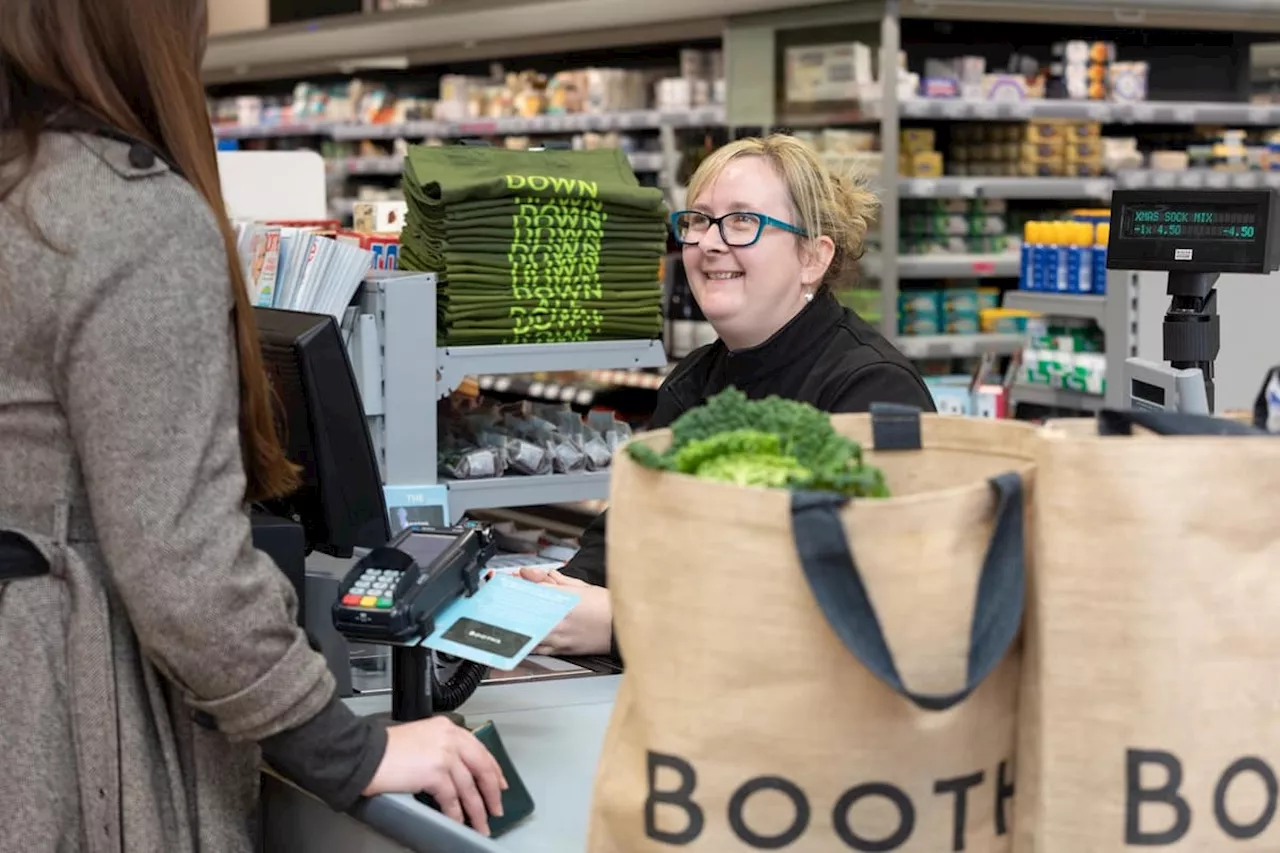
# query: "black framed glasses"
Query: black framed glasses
{"points": [[739, 229]]}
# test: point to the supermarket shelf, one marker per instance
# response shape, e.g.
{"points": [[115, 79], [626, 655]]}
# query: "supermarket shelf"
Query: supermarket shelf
{"points": [[1076, 306], [1005, 265], [710, 116], [517, 491], [641, 161], [1146, 112], [1059, 398], [453, 364], [267, 131], [1195, 179], [1013, 188], [958, 346]]}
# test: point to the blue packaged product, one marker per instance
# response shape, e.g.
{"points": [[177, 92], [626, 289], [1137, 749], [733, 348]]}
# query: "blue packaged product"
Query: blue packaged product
{"points": [[1027, 269], [1102, 235]]}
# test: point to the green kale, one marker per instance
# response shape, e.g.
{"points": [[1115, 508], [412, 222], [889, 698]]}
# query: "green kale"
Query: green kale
{"points": [[787, 443], [743, 469], [690, 458]]}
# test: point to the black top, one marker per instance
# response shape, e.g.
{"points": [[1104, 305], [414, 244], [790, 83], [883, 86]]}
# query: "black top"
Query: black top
{"points": [[827, 356]]}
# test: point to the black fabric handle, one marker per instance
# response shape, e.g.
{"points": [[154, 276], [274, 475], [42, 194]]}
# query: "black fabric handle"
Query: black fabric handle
{"points": [[1122, 422], [836, 581]]}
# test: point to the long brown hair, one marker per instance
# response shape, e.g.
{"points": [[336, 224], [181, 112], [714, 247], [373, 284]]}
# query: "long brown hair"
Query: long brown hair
{"points": [[135, 66]]}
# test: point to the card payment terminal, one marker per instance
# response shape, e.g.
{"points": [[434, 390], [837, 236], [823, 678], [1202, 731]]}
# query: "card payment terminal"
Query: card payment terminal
{"points": [[392, 596]]}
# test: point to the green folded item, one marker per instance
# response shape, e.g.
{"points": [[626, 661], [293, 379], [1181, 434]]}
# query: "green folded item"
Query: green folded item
{"points": [[562, 271], [451, 174], [502, 335], [545, 214]]}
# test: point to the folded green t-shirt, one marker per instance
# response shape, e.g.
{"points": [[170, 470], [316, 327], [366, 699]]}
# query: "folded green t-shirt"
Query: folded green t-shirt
{"points": [[445, 175]]}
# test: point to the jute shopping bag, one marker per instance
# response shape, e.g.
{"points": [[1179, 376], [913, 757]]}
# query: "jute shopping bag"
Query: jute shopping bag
{"points": [[813, 674], [1150, 714]]}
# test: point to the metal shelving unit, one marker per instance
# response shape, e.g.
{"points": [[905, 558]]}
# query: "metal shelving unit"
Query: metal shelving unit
{"points": [[641, 161], [958, 346], [1008, 188], [711, 116], [403, 375], [1115, 312]]}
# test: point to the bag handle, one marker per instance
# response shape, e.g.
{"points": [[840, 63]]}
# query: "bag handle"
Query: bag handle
{"points": [[832, 572], [1122, 422]]}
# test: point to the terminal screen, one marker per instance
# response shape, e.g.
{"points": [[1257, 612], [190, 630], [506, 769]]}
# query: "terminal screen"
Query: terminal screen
{"points": [[1226, 223]]}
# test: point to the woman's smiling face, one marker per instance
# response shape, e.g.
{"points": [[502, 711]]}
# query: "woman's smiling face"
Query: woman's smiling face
{"points": [[748, 292]]}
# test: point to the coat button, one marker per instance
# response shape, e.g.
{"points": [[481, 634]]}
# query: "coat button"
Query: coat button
{"points": [[141, 157]]}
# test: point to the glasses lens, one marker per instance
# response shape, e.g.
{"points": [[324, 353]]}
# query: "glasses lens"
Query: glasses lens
{"points": [[740, 229], [691, 226]]}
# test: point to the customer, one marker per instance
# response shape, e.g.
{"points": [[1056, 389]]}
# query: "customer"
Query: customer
{"points": [[147, 647], [769, 227]]}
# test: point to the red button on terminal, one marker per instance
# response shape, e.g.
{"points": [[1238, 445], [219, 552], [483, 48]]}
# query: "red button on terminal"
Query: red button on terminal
{"points": [[351, 600]]}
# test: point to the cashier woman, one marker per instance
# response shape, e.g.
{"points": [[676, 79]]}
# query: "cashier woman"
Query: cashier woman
{"points": [[149, 652], [768, 229]]}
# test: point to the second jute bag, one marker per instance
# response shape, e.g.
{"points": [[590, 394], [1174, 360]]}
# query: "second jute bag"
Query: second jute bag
{"points": [[811, 674], [1150, 717]]}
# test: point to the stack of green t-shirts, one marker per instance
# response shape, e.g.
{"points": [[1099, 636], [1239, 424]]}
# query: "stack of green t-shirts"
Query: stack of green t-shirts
{"points": [[535, 246]]}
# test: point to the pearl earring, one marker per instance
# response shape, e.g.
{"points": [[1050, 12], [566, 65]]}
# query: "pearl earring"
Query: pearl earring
{"points": [[808, 296]]}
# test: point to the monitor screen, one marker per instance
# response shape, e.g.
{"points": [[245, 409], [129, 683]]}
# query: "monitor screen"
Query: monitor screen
{"points": [[322, 423], [1154, 221]]}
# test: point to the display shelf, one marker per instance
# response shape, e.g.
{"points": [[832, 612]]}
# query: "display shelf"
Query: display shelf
{"points": [[403, 375], [1143, 112], [1004, 265], [520, 491], [391, 166], [455, 363], [958, 346], [1010, 188], [710, 116], [1196, 179], [1059, 398], [1077, 306]]}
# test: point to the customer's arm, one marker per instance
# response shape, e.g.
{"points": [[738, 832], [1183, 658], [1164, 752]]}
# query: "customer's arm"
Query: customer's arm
{"points": [[148, 378]]}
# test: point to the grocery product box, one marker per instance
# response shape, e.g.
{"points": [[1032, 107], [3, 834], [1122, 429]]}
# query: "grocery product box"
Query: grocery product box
{"points": [[379, 217], [924, 164], [385, 247]]}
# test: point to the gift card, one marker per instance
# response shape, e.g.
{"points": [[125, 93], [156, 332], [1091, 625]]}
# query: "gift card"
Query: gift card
{"points": [[502, 623]]}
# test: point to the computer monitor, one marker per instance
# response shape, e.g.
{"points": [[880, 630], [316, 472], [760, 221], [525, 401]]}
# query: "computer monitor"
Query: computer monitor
{"points": [[340, 505]]}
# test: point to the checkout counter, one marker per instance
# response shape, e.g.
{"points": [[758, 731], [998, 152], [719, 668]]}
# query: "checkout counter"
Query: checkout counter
{"points": [[552, 724], [553, 731]]}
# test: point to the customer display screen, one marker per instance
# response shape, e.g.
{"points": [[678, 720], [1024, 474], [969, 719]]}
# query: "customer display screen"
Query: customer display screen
{"points": [[1226, 222]]}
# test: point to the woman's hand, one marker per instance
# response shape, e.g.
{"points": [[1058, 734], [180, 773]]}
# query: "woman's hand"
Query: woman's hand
{"points": [[588, 629], [442, 759]]}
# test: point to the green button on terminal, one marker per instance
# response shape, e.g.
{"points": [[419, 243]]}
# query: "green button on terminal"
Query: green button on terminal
{"points": [[384, 603]]}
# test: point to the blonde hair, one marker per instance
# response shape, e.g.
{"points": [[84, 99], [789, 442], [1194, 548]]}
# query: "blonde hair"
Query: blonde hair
{"points": [[841, 207]]}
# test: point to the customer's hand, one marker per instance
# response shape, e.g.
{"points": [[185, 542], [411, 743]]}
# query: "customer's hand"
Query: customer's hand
{"points": [[588, 629], [442, 759]]}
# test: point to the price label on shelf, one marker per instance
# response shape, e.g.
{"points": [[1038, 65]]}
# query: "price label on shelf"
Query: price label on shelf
{"points": [[1217, 180], [1144, 113], [1019, 109], [502, 384], [568, 394], [984, 267], [535, 389], [923, 188], [987, 110], [1164, 180], [954, 109], [1260, 115], [1099, 112], [1184, 115], [1097, 189], [968, 189]]}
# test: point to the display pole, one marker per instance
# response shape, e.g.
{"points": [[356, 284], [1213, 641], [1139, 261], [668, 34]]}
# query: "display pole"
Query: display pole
{"points": [[1192, 336]]}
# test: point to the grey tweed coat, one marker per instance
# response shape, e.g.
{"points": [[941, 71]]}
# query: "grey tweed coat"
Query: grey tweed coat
{"points": [[120, 459]]}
